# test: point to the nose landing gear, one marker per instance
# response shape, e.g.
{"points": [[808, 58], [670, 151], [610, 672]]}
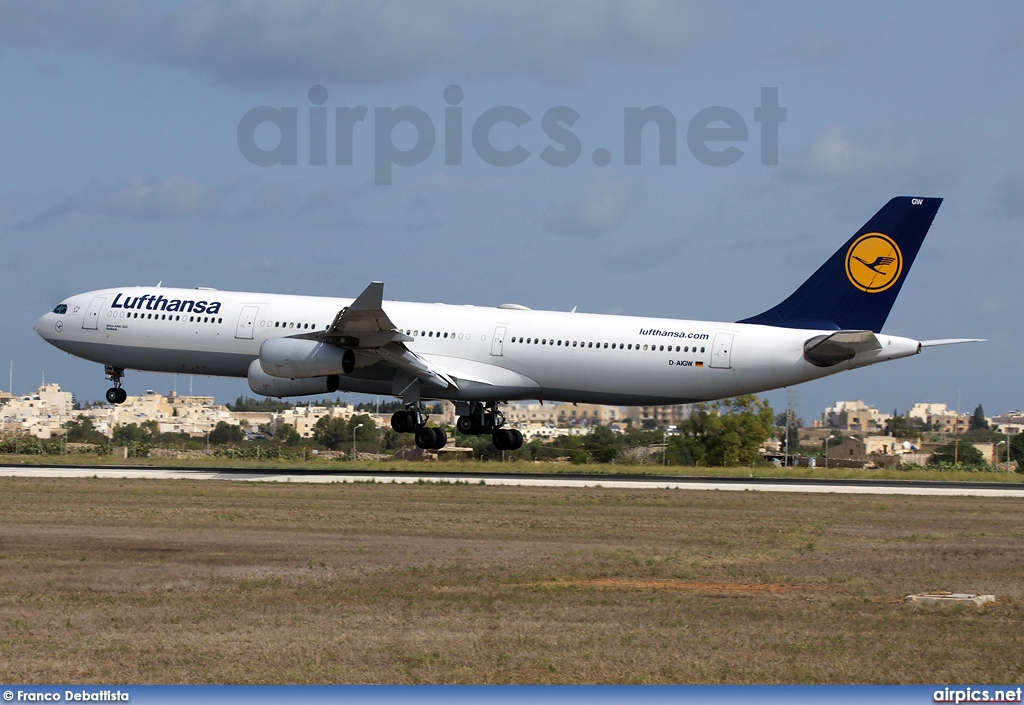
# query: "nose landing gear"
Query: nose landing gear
{"points": [[115, 395]]}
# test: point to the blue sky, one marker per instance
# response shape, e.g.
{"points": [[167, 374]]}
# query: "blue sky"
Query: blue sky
{"points": [[119, 141]]}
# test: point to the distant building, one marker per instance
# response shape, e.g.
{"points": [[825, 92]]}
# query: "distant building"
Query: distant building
{"points": [[660, 416], [941, 419], [42, 414], [854, 416]]}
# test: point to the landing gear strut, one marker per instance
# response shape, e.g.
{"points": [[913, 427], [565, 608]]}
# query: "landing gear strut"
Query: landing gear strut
{"points": [[115, 395], [413, 420], [483, 420]]}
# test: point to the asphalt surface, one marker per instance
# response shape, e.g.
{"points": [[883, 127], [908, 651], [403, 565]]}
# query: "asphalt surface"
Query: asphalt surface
{"points": [[622, 481]]}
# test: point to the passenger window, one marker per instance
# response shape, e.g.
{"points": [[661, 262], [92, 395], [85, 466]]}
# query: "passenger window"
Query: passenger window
{"points": [[606, 346], [590, 345], [574, 343], [702, 349], [645, 347]]}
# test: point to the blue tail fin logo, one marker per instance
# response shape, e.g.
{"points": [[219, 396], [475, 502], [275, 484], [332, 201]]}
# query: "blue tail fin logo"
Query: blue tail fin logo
{"points": [[856, 288], [874, 262]]}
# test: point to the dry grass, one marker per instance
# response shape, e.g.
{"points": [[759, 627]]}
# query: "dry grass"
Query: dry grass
{"points": [[119, 581]]}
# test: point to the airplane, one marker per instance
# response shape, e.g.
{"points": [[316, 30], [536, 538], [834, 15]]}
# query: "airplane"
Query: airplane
{"points": [[480, 357]]}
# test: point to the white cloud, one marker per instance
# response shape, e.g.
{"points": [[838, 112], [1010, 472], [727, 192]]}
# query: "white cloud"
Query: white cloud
{"points": [[640, 258], [599, 208], [859, 176], [142, 197], [258, 41]]}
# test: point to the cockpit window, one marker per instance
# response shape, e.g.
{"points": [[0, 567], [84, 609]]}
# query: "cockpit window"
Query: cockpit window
{"points": [[62, 308]]}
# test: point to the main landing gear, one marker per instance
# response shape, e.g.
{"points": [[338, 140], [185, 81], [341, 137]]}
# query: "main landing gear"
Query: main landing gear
{"points": [[115, 395], [479, 421], [413, 420], [483, 420]]}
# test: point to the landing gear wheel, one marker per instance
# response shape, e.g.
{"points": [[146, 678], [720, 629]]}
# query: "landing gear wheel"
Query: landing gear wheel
{"points": [[425, 438], [402, 422], [517, 439], [114, 395], [440, 439], [468, 426], [503, 439]]}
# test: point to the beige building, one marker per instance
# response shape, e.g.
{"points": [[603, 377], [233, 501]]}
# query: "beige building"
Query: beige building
{"points": [[563, 414], [661, 416], [941, 419], [854, 416], [42, 414]]}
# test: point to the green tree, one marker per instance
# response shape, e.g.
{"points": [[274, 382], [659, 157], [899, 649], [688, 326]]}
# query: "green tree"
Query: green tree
{"points": [[331, 432], [336, 433], [226, 433], [132, 433], [978, 420], [724, 432], [1017, 450], [267, 404], [287, 435], [81, 430], [957, 453], [603, 444]]}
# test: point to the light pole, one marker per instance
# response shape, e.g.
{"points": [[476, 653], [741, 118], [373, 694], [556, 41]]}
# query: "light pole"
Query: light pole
{"points": [[354, 440], [826, 449]]}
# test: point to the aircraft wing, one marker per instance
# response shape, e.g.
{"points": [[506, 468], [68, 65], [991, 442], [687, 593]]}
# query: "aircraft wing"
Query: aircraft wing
{"points": [[364, 327]]}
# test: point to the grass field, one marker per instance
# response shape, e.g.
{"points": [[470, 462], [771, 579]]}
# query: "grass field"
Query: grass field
{"points": [[147, 581]]}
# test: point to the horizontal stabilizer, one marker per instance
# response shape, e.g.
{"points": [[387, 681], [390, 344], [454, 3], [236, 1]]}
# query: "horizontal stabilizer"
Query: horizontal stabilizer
{"points": [[829, 350], [950, 341]]}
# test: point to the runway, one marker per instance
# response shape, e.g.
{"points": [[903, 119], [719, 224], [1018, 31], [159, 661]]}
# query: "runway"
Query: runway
{"points": [[579, 480]]}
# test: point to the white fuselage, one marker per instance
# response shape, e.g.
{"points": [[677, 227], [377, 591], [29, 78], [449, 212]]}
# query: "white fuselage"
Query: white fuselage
{"points": [[492, 353]]}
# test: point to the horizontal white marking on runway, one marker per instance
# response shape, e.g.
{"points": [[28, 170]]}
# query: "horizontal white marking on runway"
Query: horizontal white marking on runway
{"points": [[255, 476]]}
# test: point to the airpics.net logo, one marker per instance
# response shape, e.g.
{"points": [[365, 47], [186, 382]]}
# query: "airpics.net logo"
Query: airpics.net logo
{"points": [[715, 136]]}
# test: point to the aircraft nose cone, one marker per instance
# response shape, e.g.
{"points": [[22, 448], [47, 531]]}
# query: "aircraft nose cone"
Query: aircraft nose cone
{"points": [[43, 326]]}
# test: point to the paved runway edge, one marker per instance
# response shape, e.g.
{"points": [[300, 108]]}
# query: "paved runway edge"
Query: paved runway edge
{"points": [[632, 482]]}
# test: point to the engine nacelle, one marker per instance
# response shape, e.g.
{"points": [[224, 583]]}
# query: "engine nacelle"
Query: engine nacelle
{"points": [[295, 358], [270, 386]]}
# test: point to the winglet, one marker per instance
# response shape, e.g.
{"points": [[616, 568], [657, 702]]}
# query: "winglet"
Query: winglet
{"points": [[371, 299]]}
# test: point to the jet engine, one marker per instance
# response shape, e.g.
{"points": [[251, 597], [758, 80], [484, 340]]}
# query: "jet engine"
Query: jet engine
{"points": [[296, 358], [269, 386]]}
